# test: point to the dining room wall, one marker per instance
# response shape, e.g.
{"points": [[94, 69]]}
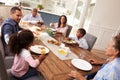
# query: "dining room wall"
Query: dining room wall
{"points": [[105, 21]]}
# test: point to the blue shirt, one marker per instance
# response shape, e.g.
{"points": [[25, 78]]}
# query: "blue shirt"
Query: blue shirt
{"points": [[110, 71], [9, 27]]}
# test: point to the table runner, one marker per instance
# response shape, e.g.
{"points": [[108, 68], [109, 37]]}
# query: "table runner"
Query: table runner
{"points": [[44, 37]]}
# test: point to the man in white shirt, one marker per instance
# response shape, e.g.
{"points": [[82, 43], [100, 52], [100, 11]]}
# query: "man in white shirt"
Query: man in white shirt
{"points": [[79, 40], [33, 18]]}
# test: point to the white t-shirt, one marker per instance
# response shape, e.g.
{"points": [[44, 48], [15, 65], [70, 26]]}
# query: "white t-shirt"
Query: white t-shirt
{"points": [[82, 42]]}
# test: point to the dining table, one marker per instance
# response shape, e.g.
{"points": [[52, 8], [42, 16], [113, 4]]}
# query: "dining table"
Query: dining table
{"points": [[54, 67]]}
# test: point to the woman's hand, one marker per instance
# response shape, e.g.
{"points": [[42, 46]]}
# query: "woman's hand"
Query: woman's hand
{"points": [[97, 62], [93, 61], [76, 75], [51, 24], [59, 34]]}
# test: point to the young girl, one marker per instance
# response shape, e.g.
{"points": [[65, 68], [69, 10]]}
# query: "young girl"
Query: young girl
{"points": [[24, 65], [61, 26]]}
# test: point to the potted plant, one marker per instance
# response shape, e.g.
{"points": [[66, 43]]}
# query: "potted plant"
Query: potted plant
{"points": [[40, 6]]}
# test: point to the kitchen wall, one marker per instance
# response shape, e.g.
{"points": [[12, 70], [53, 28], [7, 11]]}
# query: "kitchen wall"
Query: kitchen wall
{"points": [[105, 21], [5, 11]]}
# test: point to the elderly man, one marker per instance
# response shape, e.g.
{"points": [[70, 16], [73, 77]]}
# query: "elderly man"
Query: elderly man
{"points": [[33, 18], [10, 26]]}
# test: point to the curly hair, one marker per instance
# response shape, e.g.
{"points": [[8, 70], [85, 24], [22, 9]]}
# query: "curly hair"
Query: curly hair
{"points": [[20, 40], [82, 31]]}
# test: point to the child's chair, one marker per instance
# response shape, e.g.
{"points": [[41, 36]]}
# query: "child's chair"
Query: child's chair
{"points": [[90, 40], [69, 30]]}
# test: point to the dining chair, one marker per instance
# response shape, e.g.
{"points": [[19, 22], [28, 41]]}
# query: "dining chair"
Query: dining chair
{"points": [[91, 39], [1, 20], [1, 48], [69, 30], [7, 59], [3, 72]]}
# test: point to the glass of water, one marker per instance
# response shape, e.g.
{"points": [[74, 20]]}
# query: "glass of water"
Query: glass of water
{"points": [[81, 56], [60, 39]]}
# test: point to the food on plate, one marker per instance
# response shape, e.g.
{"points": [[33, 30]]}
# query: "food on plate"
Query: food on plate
{"points": [[39, 49], [61, 51], [36, 33], [38, 29], [53, 42], [69, 41], [57, 43], [42, 50]]}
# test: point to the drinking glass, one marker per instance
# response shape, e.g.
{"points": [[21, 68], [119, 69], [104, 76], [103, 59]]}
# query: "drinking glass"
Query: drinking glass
{"points": [[81, 56], [60, 39], [44, 28]]}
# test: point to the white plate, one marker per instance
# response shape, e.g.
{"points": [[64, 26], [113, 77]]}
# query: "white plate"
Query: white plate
{"points": [[38, 49], [81, 64]]}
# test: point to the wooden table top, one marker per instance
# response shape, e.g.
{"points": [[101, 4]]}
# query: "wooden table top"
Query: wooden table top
{"points": [[53, 68]]}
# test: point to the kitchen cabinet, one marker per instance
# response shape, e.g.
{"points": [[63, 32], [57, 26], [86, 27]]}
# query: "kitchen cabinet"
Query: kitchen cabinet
{"points": [[48, 17]]}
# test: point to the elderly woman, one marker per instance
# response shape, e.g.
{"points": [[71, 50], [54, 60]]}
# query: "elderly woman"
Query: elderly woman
{"points": [[61, 26], [111, 68]]}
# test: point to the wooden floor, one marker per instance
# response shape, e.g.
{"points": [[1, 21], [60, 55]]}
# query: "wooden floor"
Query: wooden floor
{"points": [[99, 53]]}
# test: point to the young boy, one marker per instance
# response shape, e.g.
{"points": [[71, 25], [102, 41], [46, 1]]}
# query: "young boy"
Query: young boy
{"points": [[79, 40]]}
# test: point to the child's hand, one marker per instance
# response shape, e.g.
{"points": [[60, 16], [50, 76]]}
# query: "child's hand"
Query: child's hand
{"points": [[41, 57], [75, 43], [68, 39]]}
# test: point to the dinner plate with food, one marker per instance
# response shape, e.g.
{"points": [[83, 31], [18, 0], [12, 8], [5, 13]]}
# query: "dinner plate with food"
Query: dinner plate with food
{"points": [[38, 29], [38, 49], [69, 41], [53, 42]]}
